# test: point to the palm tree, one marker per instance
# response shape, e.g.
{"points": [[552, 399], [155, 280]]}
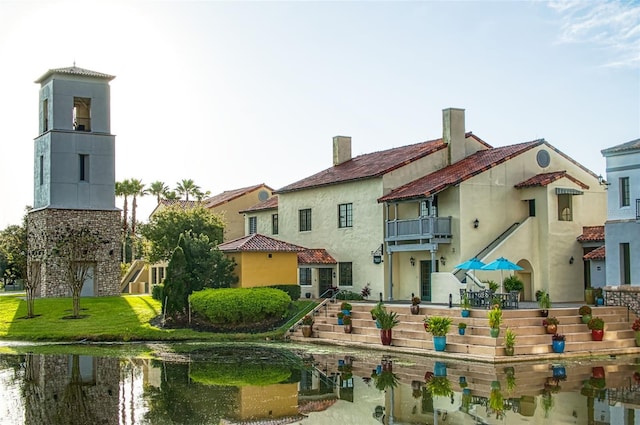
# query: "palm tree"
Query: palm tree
{"points": [[159, 189], [187, 187], [200, 195], [123, 189], [137, 189]]}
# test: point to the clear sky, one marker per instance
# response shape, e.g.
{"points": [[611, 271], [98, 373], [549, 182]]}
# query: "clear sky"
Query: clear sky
{"points": [[232, 94]]}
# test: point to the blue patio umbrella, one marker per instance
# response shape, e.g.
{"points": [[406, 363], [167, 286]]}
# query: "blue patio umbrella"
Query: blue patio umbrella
{"points": [[501, 264], [472, 264]]}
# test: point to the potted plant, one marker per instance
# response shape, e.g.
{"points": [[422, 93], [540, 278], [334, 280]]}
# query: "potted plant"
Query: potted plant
{"points": [[366, 291], [544, 302], [348, 327], [465, 304], [496, 402], [346, 308], [307, 325], [374, 312], [462, 327], [557, 343], [385, 379], [439, 386], [599, 296], [551, 324], [512, 283], [636, 327], [495, 319], [596, 324], [387, 320], [415, 305], [340, 317], [589, 297], [509, 342], [585, 312], [438, 327]]}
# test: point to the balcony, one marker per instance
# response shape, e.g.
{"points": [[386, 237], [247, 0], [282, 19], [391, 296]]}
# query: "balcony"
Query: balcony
{"points": [[436, 229]]}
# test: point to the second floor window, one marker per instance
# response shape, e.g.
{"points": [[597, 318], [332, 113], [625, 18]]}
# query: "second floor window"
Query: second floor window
{"points": [[305, 220], [565, 212], [345, 215], [625, 193], [345, 271], [274, 224], [253, 225]]}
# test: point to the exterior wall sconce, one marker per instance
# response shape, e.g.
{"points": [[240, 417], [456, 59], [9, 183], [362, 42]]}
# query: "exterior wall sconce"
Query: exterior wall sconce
{"points": [[377, 254], [571, 260], [413, 261], [602, 181], [476, 223], [443, 261]]}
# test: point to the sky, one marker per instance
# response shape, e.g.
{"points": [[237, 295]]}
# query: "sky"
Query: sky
{"points": [[237, 93]]}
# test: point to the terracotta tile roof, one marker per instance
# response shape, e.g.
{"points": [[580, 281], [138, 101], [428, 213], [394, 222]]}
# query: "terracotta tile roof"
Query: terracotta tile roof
{"points": [[545, 179], [315, 256], [258, 243], [74, 70], [230, 195], [369, 165], [629, 146], [174, 203], [592, 234], [269, 204], [460, 171], [596, 254]]}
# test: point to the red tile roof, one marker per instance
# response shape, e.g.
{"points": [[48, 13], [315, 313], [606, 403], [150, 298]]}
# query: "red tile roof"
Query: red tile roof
{"points": [[174, 203], [460, 171], [269, 204], [596, 254], [315, 256], [545, 179], [258, 243], [230, 195], [370, 165], [592, 234]]}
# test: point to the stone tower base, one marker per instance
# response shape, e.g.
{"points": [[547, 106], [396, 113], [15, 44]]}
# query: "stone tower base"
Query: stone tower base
{"points": [[42, 225]]}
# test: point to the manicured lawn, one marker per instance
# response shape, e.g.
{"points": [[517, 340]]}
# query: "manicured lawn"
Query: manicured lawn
{"points": [[124, 318]]}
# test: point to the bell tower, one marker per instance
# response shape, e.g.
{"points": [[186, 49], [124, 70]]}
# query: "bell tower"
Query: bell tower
{"points": [[74, 175]]}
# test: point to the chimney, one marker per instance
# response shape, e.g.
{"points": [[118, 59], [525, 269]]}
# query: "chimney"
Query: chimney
{"points": [[341, 149], [453, 133]]}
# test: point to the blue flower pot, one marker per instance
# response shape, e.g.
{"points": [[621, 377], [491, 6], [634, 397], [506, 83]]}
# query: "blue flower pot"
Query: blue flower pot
{"points": [[340, 322], [461, 331], [439, 343], [600, 301], [559, 371], [346, 312], [378, 325], [440, 369], [465, 313], [558, 346]]}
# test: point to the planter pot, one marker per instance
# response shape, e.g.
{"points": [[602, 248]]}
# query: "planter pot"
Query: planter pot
{"points": [[378, 325], [340, 322], [348, 329], [462, 380], [599, 301], [597, 372], [589, 297], [465, 313], [307, 295], [559, 371], [346, 312], [385, 336], [551, 329], [544, 313], [509, 351], [439, 343], [558, 346], [597, 334], [306, 330], [462, 330], [415, 309], [586, 318], [495, 332], [440, 369], [495, 385], [637, 339]]}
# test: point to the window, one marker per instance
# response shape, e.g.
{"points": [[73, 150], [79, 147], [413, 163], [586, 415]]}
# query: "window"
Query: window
{"points": [[564, 207], [45, 115], [345, 215], [305, 276], [274, 224], [84, 168], [154, 275], [82, 114], [625, 264], [253, 225], [345, 277], [625, 195], [41, 170], [305, 220]]}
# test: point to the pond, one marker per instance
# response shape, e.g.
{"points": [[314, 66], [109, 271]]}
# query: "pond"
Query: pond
{"points": [[285, 383]]}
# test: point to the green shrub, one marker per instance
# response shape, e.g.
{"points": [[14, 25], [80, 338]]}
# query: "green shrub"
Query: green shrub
{"points": [[157, 291], [348, 295], [292, 290], [239, 374], [240, 306]]}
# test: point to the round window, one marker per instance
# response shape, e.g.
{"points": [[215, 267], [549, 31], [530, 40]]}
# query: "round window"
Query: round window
{"points": [[543, 158]]}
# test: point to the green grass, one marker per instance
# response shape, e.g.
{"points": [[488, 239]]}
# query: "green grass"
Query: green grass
{"points": [[124, 318]]}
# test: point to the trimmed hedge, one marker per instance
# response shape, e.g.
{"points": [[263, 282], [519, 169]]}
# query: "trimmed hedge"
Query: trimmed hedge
{"points": [[292, 290], [348, 295], [239, 374], [240, 306], [157, 291]]}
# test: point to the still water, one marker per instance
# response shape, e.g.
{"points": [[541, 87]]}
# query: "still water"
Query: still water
{"points": [[291, 384]]}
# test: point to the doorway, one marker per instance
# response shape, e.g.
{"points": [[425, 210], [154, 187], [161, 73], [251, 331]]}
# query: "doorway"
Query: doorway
{"points": [[325, 281]]}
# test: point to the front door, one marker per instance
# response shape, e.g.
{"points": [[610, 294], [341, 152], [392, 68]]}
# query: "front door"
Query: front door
{"points": [[325, 280], [425, 280]]}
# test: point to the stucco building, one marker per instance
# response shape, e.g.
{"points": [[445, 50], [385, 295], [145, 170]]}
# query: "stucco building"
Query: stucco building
{"points": [[400, 220]]}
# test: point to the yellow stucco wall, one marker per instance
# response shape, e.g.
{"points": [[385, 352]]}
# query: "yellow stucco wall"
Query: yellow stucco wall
{"points": [[234, 221], [265, 268], [269, 402]]}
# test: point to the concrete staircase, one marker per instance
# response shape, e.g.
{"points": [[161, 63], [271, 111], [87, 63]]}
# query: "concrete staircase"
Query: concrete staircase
{"points": [[533, 343]]}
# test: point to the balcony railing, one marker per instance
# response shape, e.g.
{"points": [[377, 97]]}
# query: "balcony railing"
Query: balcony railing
{"points": [[419, 228]]}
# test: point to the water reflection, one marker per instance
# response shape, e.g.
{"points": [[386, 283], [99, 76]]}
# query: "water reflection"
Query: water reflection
{"points": [[274, 385]]}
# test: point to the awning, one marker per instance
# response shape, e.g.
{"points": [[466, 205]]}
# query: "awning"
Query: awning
{"points": [[567, 191]]}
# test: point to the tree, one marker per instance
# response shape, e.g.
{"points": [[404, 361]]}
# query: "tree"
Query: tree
{"points": [[165, 227], [159, 189], [137, 189], [187, 187], [75, 250], [176, 284]]}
